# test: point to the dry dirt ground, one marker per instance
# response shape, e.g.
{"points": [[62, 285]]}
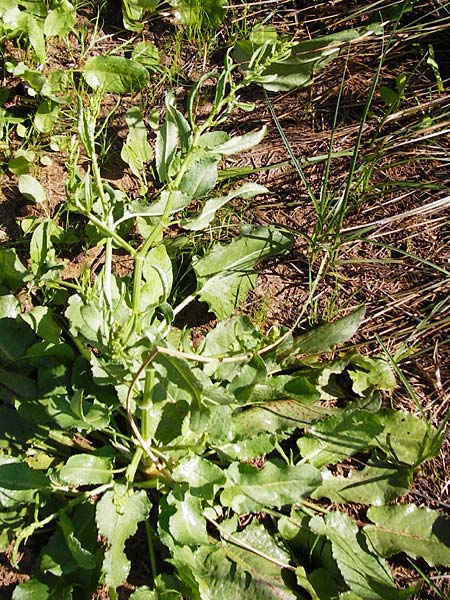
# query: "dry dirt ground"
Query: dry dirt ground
{"points": [[393, 246]]}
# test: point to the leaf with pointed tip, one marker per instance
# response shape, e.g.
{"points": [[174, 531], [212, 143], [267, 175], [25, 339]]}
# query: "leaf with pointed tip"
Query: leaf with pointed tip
{"points": [[374, 484], [211, 206], [250, 489], [366, 574], [241, 143], [325, 337], [226, 273], [419, 532]]}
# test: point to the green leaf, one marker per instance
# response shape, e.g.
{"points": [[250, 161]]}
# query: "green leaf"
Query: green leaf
{"points": [[146, 53], [207, 14], [419, 532], [36, 37], [165, 147], [250, 489], [60, 20], [157, 272], [15, 339], [240, 143], [33, 589], [201, 475], [376, 483], [187, 525], [226, 273], [115, 74], [9, 307], [264, 564], [86, 469], [202, 220], [18, 483], [12, 270], [276, 416], [118, 514], [46, 116], [404, 437], [337, 437], [42, 322], [31, 189], [366, 574], [200, 178], [136, 151], [84, 558], [326, 337]]}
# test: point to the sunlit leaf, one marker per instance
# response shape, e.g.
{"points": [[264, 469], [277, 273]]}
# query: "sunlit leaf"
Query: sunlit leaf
{"points": [[419, 532], [86, 469], [118, 514], [250, 489], [115, 74]]}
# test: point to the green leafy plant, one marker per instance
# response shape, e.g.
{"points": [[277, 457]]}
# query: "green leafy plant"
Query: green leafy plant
{"points": [[224, 452]]}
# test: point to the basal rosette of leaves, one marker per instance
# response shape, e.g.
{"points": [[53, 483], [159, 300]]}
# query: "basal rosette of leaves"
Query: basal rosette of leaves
{"points": [[230, 455]]}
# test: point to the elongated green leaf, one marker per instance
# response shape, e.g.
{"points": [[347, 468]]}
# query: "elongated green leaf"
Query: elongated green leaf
{"points": [[241, 143], [337, 437], [248, 190], [165, 147], [36, 37], [366, 574], [18, 483], [374, 484], [84, 558], [276, 416], [15, 339], [226, 273], [250, 489], [419, 532], [136, 151], [115, 74], [157, 271], [266, 573], [118, 514], [326, 337], [86, 469]]}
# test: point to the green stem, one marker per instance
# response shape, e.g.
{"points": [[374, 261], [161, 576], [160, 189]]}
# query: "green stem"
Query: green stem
{"points": [[133, 466], [151, 548], [146, 404]]}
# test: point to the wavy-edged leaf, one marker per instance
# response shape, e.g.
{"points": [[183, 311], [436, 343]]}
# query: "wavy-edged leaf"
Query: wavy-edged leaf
{"points": [[86, 469], [337, 437], [419, 532], [115, 74], [375, 484], [250, 489], [226, 273], [264, 565], [12, 270], [404, 437], [117, 515], [365, 574]]}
